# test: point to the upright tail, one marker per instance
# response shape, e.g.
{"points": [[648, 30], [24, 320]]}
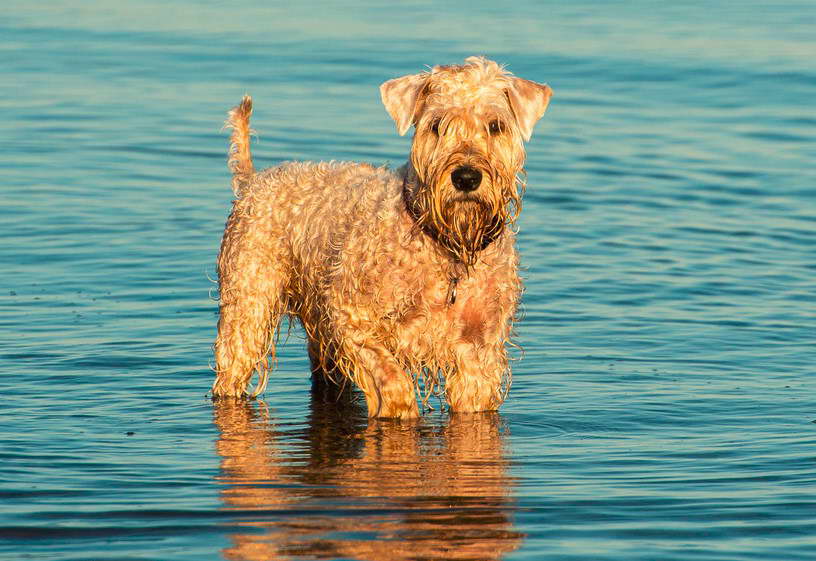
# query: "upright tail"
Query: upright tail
{"points": [[239, 159]]}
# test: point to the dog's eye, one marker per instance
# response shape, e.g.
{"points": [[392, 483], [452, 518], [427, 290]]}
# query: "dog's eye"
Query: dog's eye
{"points": [[496, 127], [435, 127]]}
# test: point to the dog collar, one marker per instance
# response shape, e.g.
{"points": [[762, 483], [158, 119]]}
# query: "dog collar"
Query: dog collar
{"points": [[452, 290]]}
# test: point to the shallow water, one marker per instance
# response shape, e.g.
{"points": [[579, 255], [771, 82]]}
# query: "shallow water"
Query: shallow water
{"points": [[663, 407]]}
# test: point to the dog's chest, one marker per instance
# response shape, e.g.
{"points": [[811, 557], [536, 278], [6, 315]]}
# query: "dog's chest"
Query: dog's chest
{"points": [[439, 314]]}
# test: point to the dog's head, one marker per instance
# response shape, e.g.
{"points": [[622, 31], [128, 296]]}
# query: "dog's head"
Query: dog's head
{"points": [[467, 156]]}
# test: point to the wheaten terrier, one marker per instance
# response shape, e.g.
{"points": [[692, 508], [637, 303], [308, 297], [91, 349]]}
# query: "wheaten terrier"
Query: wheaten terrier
{"points": [[403, 280]]}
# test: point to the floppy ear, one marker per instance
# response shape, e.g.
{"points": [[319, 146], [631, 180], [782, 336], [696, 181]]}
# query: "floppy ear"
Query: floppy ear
{"points": [[402, 97], [528, 100]]}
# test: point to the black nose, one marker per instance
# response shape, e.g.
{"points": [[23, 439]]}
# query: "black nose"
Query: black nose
{"points": [[466, 178]]}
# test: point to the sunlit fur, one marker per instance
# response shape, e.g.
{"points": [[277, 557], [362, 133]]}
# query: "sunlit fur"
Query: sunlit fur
{"points": [[454, 130], [398, 278]]}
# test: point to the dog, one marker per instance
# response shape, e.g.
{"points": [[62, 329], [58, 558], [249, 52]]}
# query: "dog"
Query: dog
{"points": [[404, 280]]}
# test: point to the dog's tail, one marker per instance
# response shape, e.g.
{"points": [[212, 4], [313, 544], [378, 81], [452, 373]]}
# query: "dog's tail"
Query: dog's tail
{"points": [[239, 159]]}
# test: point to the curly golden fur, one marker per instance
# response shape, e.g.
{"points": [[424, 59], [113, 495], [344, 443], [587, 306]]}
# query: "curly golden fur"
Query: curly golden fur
{"points": [[396, 276]]}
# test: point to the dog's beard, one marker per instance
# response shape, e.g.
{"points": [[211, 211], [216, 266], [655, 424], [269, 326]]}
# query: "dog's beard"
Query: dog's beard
{"points": [[463, 226]]}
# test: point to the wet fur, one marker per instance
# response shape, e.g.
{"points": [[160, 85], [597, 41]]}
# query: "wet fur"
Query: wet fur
{"points": [[366, 257]]}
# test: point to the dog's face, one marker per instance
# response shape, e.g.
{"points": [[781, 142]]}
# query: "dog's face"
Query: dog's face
{"points": [[468, 153]]}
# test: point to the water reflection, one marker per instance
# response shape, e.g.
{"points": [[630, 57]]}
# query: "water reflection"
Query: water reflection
{"points": [[344, 487]]}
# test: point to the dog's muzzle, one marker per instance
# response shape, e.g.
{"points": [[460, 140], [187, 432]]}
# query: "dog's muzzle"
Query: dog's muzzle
{"points": [[466, 178]]}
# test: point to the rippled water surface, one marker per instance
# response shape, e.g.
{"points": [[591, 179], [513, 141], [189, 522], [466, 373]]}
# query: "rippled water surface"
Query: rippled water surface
{"points": [[663, 407]]}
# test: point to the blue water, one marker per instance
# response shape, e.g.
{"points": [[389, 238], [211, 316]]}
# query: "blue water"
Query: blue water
{"points": [[664, 405]]}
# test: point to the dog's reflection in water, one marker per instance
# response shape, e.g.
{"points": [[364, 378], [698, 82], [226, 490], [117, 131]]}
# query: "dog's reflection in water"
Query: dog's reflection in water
{"points": [[347, 487]]}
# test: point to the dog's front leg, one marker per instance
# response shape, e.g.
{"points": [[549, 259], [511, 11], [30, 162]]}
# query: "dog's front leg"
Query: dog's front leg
{"points": [[476, 382], [388, 389]]}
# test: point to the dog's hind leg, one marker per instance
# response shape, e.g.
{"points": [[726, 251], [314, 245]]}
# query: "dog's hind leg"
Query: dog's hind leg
{"points": [[252, 277]]}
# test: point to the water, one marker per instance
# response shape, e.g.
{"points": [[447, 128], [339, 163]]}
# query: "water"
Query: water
{"points": [[662, 410]]}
